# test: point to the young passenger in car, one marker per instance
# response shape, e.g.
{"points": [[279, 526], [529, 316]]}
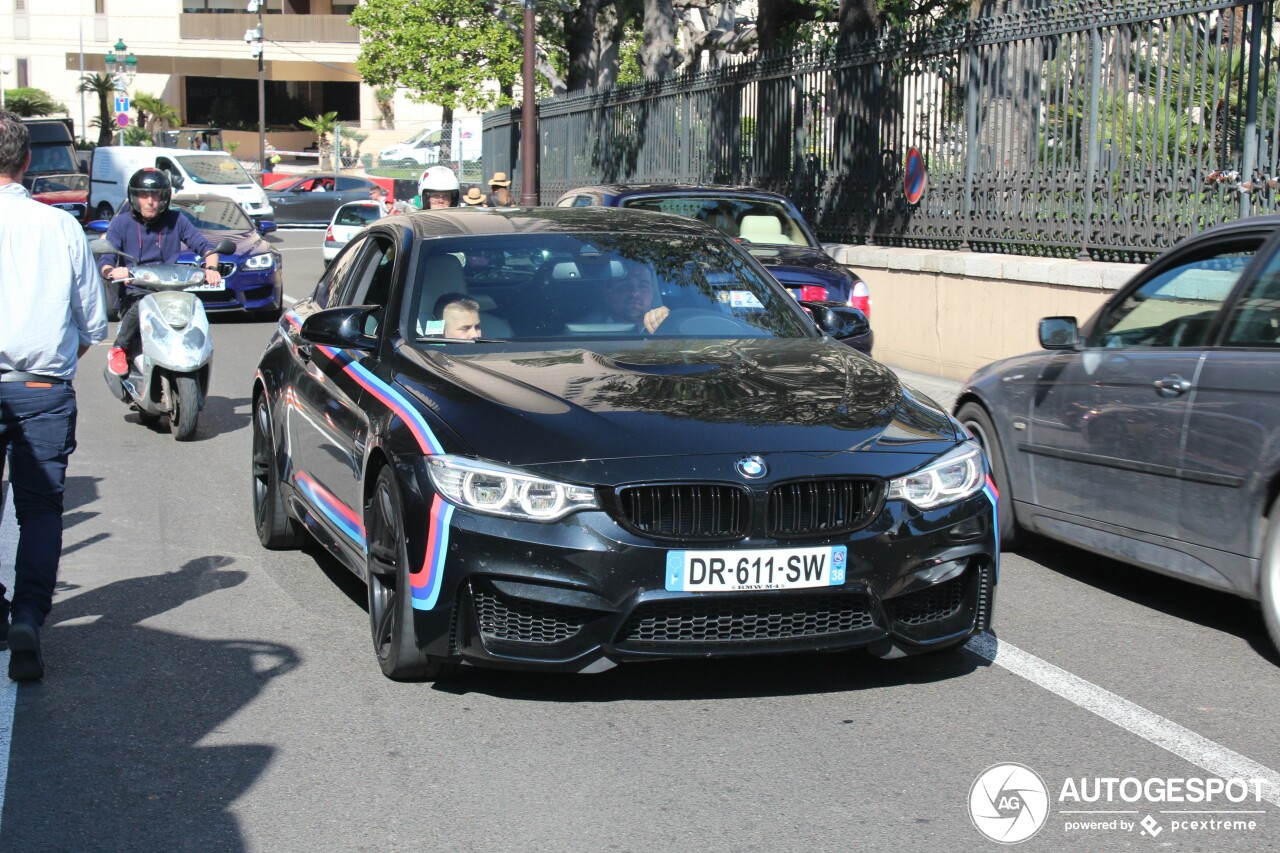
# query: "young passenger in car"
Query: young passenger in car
{"points": [[458, 315]]}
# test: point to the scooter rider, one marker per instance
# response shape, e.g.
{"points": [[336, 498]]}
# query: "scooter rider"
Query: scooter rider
{"points": [[152, 233]]}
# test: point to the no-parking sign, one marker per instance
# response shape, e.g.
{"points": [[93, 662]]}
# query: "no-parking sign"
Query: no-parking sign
{"points": [[914, 178]]}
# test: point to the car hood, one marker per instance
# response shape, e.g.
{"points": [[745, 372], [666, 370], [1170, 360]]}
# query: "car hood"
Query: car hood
{"points": [[63, 197], [655, 398], [248, 243]]}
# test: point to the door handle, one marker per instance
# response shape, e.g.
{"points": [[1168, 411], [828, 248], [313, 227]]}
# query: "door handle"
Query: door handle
{"points": [[1172, 386]]}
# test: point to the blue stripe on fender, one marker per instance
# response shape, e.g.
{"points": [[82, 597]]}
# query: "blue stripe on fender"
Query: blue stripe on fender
{"points": [[992, 495], [390, 397], [425, 583]]}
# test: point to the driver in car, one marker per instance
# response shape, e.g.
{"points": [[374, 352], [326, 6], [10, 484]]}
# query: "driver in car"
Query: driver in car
{"points": [[630, 299]]}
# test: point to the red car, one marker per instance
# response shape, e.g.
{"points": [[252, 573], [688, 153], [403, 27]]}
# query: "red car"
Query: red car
{"points": [[66, 192]]}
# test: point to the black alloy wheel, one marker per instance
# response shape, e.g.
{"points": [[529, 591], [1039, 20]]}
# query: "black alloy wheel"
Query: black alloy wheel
{"points": [[276, 528], [390, 600]]}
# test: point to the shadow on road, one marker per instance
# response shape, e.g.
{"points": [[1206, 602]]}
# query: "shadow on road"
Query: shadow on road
{"points": [[107, 752], [1219, 611]]}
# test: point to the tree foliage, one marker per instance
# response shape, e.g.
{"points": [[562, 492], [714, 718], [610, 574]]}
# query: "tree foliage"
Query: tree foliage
{"points": [[26, 101], [103, 87]]}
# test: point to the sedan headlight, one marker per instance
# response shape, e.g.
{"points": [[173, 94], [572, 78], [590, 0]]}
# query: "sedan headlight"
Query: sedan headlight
{"points": [[495, 490], [260, 262], [955, 476]]}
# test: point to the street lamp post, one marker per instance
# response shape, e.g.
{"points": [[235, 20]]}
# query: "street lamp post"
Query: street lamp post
{"points": [[122, 69], [255, 39], [5, 68]]}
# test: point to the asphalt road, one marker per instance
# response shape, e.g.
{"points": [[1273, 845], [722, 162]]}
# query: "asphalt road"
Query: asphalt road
{"points": [[205, 694]]}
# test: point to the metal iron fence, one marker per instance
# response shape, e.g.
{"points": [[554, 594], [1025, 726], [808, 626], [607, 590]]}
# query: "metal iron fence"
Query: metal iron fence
{"points": [[1106, 129]]}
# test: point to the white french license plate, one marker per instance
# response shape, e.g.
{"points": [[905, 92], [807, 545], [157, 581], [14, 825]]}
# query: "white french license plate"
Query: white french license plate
{"points": [[767, 568], [205, 287]]}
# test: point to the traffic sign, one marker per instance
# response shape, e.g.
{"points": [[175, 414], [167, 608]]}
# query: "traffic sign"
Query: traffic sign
{"points": [[122, 120], [122, 103], [914, 177]]}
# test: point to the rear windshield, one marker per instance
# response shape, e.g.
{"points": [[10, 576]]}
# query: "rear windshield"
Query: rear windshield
{"points": [[356, 214], [214, 169]]}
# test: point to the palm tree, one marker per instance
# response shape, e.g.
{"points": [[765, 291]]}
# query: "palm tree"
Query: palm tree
{"points": [[322, 126], [104, 87], [153, 113]]}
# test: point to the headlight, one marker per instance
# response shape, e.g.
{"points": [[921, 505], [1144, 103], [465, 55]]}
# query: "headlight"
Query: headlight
{"points": [[494, 490], [260, 262], [955, 476], [176, 312]]}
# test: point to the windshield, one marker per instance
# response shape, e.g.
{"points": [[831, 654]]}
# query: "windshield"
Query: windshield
{"points": [[749, 220], [52, 158], [214, 214], [584, 286], [60, 183], [214, 169]]}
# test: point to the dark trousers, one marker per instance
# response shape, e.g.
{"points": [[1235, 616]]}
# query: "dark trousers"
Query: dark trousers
{"points": [[37, 434], [129, 332]]}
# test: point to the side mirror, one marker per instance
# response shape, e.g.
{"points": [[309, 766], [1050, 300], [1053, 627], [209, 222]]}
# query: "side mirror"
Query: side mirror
{"points": [[839, 321], [266, 226], [1059, 333], [177, 180], [98, 226], [339, 327], [224, 247]]}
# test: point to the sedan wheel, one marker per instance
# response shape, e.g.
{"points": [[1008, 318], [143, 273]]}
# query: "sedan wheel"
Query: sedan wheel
{"points": [[978, 422], [390, 601], [276, 528], [1269, 583]]}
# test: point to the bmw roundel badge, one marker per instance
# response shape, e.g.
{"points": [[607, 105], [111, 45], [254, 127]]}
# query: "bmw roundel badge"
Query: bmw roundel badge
{"points": [[752, 467]]}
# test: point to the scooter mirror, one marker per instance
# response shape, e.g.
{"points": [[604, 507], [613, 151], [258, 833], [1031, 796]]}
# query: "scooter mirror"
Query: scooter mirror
{"points": [[100, 246], [225, 247]]}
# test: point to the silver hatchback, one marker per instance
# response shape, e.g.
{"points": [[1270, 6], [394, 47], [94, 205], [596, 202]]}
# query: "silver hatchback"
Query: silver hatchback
{"points": [[1151, 434]]}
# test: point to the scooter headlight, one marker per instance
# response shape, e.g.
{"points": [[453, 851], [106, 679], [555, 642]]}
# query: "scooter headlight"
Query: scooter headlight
{"points": [[176, 312]]}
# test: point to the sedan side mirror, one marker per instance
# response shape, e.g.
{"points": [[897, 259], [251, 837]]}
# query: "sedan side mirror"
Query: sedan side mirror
{"points": [[340, 327], [839, 321], [266, 226], [1059, 333]]}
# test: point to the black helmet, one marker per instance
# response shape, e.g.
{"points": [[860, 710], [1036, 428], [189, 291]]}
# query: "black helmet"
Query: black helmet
{"points": [[150, 179]]}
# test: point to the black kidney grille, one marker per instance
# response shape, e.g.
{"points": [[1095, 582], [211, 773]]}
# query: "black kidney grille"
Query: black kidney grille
{"points": [[739, 621], [502, 617], [821, 507], [686, 511], [928, 605]]}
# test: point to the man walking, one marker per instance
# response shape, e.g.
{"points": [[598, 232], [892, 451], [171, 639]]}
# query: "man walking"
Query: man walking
{"points": [[53, 312]]}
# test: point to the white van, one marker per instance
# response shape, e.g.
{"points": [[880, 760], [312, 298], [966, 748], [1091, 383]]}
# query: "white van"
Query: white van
{"points": [[192, 173]]}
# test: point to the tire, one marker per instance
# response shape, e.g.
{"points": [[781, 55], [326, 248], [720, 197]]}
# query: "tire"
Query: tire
{"points": [[276, 528], [977, 421], [103, 211], [390, 604], [184, 406]]}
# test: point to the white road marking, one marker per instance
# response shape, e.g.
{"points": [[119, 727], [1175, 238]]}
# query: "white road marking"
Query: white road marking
{"points": [[8, 689], [1131, 717]]}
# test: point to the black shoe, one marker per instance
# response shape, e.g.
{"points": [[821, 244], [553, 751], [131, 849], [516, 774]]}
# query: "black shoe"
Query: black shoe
{"points": [[4, 624], [25, 661]]}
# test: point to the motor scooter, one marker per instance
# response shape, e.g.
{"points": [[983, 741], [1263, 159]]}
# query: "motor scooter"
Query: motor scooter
{"points": [[170, 375]]}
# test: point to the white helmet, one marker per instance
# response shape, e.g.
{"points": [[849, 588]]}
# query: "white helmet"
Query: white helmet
{"points": [[438, 179]]}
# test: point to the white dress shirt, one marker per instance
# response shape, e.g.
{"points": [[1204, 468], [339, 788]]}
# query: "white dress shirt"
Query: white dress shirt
{"points": [[51, 300]]}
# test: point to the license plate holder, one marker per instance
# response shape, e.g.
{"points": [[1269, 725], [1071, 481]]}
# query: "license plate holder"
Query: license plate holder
{"points": [[756, 569]]}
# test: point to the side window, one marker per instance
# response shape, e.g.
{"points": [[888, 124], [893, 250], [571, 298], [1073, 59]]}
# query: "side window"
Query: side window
{"points": [[1255, 319], [370, 280], [349, 184], [1177, 307], [334, 279], [582, 201]]}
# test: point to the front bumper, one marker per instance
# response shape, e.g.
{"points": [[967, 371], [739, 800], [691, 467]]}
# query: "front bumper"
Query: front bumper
{"points": [[246, 290], [584, 594]]}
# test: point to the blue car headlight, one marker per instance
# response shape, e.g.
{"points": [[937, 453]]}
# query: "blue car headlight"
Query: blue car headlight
{"points": [[260, 262]]}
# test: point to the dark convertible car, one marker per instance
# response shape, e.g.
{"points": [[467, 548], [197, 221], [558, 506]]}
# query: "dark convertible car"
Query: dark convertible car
{"points": [[650, 452]]}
